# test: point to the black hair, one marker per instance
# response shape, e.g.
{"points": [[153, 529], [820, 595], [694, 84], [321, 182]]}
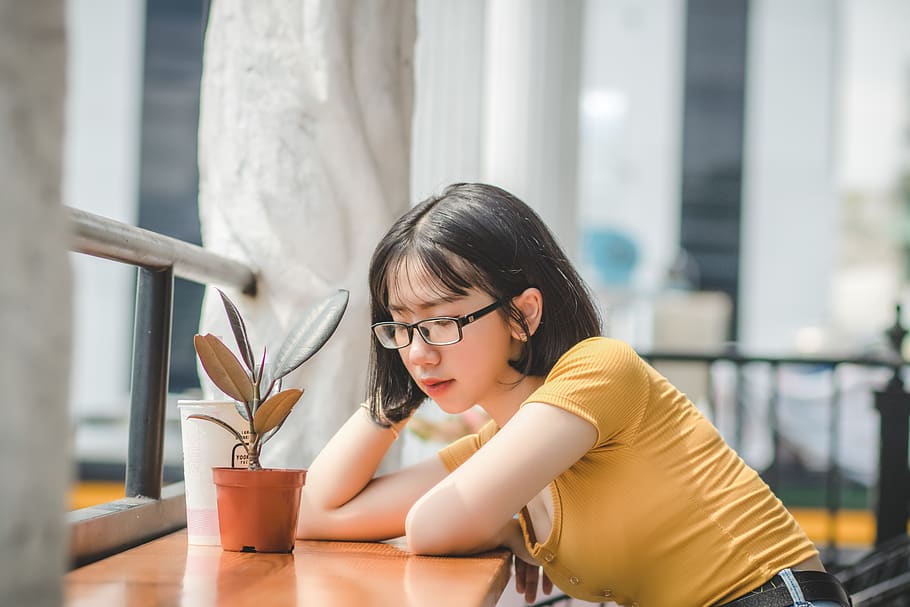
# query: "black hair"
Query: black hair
{"points": [[475, 235]]}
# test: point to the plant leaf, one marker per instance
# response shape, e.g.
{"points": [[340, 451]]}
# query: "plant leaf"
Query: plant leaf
{"points": [[239, 329], [221, 423], [261, 369], [309, 335], [223, 368], [268, 435], [275, 410], [242, 410]]}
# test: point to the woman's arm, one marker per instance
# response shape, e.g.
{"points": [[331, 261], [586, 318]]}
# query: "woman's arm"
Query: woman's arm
{"points": [[341, 500], [469, 508], [349, 461]]}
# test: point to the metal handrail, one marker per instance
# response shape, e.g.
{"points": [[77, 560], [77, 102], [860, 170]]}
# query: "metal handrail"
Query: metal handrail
{"points": [[892, 503], [148, 511], [110, 239], [880, 359]]}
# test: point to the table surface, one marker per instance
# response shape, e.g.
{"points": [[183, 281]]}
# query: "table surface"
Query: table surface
{"points": [[168, 571]]}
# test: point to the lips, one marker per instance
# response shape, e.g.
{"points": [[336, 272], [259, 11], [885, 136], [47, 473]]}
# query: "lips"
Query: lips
{"points": [[434, 386]]}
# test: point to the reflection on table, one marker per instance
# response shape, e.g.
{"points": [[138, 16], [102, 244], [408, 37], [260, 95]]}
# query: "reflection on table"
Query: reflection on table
{"points": [[167, 571]]}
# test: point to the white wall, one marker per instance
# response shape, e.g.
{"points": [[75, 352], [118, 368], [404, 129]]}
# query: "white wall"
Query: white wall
{"points": [[790, 213], [631, 126], [875, 96], [105, 40], [828, 104], [873, 152]]}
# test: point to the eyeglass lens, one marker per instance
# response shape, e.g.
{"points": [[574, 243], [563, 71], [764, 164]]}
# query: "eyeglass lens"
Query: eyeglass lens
{"points": [[438, 332]]}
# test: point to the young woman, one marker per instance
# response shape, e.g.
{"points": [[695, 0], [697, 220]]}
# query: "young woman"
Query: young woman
{"points": [[593, 467]]}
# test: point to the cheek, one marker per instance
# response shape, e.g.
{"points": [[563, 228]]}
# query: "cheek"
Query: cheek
{"points": [[406, 361], [485, 357]]}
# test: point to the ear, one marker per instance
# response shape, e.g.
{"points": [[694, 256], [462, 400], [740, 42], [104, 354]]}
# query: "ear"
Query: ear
{"points": [[530, 304]]}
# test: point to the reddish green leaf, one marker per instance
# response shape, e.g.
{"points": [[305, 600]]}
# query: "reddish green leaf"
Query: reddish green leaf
{"points": [[238, 327], [223, 368]]}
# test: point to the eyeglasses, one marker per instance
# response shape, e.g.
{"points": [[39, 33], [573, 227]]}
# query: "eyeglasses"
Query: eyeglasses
{"points": [[436, 331]]}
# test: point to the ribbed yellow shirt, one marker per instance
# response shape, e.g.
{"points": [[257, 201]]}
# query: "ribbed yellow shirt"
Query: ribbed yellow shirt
{"points": [[661, 512]]}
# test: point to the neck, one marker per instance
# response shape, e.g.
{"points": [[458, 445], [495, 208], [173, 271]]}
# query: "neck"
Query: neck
{"points": [[509, 400]]}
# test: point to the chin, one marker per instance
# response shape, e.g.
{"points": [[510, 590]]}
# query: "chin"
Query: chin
{"points": [[452, 408]]}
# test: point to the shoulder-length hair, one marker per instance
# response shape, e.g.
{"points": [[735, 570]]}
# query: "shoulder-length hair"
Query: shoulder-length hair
{"points": [[477, 236]]}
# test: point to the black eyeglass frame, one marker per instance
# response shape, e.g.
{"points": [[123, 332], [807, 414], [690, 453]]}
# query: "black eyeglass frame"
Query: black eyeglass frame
{"points": [[460, 322]]}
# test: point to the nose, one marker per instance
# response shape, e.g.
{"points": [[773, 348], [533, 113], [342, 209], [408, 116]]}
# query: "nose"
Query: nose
{"points": [[420, 353]]}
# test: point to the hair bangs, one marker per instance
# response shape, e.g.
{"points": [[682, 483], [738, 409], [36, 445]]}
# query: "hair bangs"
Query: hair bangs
{"points": [[430, 270]]}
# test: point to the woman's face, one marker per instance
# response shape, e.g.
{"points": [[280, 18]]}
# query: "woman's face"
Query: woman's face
{"points": [[473, 371]]}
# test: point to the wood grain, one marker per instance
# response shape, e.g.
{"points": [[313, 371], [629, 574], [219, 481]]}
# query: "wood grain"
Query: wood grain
{"points": [[168, 571]]}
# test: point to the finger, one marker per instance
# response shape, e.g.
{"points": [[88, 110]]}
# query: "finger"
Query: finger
{"points": [[546, 584], [520, 566], [531, 583]]}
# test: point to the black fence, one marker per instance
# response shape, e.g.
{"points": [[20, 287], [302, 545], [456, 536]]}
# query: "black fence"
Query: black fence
{"points": [[729, 409]]}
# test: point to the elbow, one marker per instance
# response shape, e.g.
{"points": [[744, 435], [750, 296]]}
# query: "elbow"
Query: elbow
{"points": [[307, 528], [312, 518], [322, 497], [305, 531], [423, 538], [428, 533]]}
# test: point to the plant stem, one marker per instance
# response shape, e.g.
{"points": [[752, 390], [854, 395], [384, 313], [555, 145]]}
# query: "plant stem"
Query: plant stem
{"points": [[254, 451]]}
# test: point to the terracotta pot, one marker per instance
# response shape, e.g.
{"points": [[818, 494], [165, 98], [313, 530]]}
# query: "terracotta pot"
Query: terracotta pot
{"points": [[257, 509]]}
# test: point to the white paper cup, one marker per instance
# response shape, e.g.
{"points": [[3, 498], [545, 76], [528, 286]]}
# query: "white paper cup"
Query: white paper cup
{"points": [[206, 445]]}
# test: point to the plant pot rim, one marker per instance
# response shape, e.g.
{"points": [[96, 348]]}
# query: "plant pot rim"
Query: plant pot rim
{"points": [[243, 469], [266, 477]]}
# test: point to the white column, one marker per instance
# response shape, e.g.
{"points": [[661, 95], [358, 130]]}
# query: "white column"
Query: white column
{"points": [[789, 210], [304, 150], [531, 110], [449, 95], [35, 305]]}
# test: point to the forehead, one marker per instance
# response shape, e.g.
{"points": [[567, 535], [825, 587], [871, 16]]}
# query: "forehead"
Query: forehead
{"points": [[413, 286]]}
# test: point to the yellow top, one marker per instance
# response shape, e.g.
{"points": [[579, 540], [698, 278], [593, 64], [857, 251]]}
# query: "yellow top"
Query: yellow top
{"points": [[661, 512]]}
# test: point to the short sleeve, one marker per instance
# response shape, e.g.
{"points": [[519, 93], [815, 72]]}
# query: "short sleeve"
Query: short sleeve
{"points": [[603, 381], [461, 450]]}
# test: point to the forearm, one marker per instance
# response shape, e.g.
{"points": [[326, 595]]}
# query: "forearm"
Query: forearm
{"points": [[349, 461]]}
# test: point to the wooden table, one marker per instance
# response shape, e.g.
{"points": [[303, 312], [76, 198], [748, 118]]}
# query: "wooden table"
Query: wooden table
{"points": [[167, 572]]}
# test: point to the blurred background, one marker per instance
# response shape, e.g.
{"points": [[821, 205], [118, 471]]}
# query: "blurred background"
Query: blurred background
{"points": [[732, 171]]}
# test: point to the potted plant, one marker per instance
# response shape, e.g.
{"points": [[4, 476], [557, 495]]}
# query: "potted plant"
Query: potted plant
{"points": [[257, 507]]}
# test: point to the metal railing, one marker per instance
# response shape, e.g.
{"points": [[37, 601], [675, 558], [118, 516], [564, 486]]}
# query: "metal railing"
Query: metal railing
{"points": [[146, 512], [891, 400]]}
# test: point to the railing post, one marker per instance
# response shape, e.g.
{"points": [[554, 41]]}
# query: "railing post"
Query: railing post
{"points": [[893, 404], [151, 358]]}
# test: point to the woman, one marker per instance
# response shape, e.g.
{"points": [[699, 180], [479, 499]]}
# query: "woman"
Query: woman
{"points": [[623, 491]]}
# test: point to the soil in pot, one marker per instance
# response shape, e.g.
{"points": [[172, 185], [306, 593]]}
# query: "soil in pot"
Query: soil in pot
{"points": [[257, 509]]}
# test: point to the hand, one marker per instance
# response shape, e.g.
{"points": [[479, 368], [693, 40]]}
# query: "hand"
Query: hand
{"points": [[527, 570], [526, 577]]}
